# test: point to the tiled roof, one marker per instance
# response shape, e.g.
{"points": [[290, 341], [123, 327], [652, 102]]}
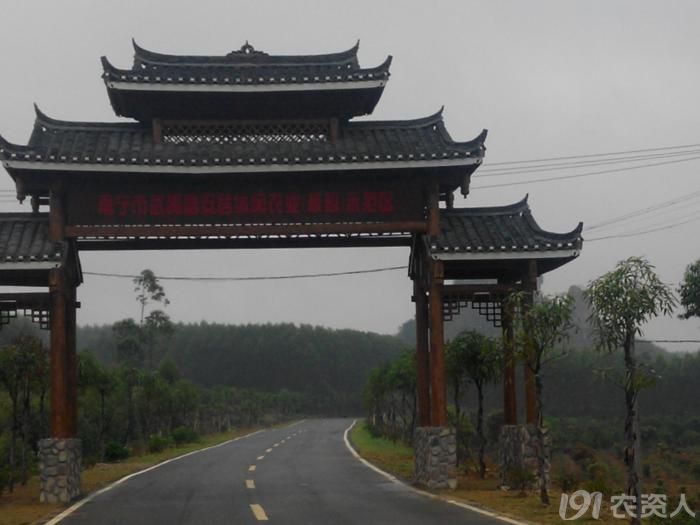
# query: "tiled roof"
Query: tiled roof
{"points": [[246, 55], [246, 67], [86, 146], [502, 231], [24, 238]]}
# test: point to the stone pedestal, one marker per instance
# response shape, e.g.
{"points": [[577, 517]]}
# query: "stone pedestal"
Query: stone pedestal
{"points": [[519, 450], [436, 457], [59, 469]]}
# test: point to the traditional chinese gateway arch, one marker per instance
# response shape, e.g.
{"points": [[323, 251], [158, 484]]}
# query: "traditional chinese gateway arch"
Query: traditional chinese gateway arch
{"points": [[251, 150]]}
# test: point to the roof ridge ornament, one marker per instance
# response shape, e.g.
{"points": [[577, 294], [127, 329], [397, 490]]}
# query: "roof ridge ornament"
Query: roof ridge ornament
{"points": [[246, 50]]}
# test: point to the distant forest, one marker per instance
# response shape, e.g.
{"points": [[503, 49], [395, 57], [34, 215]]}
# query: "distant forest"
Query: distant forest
{"points": [[329, 367], [576, 384]]}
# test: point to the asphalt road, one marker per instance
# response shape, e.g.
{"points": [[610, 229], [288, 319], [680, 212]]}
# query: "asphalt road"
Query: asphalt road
{"points": [[297, 475]]}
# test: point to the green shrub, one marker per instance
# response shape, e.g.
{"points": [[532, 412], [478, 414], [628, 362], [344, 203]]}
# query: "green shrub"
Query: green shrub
{"points": [[465, 434], [582, 454], [115, 452], [599, 474], [566, 474], [695, 471], [183, 435], [158, 443], [520, 478]]}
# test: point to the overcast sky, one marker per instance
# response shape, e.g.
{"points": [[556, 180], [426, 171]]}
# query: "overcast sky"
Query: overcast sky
{"points": [[546, 78]]}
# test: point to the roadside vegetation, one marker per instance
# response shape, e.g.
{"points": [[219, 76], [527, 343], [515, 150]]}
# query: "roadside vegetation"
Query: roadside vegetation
{"points": [[150, 385], [622, 422], [21, 507]]}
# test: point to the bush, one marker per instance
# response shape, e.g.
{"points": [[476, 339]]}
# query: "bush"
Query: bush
{"points": [[520, 478], [465, 434], [600, 478], [158, 443], [566, 474], [182, 435], [115, 452], [695, 471], [582, 454]]}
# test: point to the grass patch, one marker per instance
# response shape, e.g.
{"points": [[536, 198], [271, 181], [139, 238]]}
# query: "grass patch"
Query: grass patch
{"points": [[397, 459], [393, 456], [23, 508]]}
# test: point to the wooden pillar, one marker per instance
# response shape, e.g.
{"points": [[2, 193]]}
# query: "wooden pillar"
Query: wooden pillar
{"points": [[62, 425], [422, 355], [510, 406], [64, 363], [71, 361], [57, 223], [530, 287], [434, 211], [438, 386]]}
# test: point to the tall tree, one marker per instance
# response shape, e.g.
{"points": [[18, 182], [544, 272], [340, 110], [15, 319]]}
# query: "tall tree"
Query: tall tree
{"points": [[477, 358], [149, 290], [21, 364], [622, 300], [157, 330], [542, 327], [690, 291], [129, 342]]}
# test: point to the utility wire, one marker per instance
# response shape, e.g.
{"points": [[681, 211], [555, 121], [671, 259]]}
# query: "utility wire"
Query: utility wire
{"points": [[254, 278], [589, 155], [644, 232], [580, 175], [669, 340], [485, 171], [644, 211]]}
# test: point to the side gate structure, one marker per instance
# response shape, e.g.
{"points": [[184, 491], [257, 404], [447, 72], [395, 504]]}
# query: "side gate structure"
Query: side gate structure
{"points": [[252, 150]]}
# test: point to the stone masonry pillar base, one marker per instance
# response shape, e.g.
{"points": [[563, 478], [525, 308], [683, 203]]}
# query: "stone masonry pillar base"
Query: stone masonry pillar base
{"points": [[436, 457], [59, 470]]}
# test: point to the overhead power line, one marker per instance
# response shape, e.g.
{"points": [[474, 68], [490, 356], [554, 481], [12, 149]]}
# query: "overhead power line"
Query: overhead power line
{"points": [[253, 278], [486, 171], [644, 232], [643, 211], [669, 340], [590, 155], [580, 175]]}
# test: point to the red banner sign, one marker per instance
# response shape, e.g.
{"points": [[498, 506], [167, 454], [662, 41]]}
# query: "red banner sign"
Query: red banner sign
{"points": [[334, 203]]}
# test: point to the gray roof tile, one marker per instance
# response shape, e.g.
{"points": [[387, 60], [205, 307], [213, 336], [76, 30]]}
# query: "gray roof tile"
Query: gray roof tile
{"points": [[500, 229], [24, 237]]}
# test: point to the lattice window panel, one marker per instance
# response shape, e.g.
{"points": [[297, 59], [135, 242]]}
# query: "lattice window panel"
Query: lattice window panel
{"points": [[40, 317], [244, 133], [490, 309], [486, 305], [6, 316], [452, 307]]}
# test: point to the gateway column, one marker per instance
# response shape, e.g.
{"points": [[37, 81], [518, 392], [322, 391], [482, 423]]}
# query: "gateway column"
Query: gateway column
{"points": [[60, 456]]}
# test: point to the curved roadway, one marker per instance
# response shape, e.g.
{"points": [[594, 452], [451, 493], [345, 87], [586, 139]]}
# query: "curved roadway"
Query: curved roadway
{"points": [[297, 475]]}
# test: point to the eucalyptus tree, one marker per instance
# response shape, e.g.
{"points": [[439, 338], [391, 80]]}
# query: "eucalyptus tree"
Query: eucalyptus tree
{"points": [[475, 358], [621, 301], [148, 290], [544, 325], [689, 291], [21, 371]]}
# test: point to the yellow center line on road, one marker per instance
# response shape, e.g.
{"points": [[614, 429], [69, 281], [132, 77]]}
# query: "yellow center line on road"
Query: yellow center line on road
{"points": [[261, 457], [258, 512], [249, 484], [268, 450], [251, 468]]}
